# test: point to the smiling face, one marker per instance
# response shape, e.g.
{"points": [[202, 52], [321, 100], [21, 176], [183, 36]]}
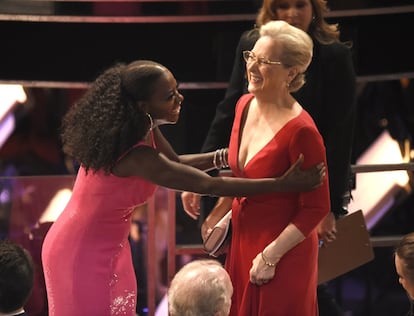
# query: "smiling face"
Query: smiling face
{"points": [[298, 13], [165, 103], [266, 78], [403, 277]]}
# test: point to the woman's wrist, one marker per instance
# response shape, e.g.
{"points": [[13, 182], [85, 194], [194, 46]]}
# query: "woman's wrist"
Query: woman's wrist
{"points": [[268, 255], [267, 262]]}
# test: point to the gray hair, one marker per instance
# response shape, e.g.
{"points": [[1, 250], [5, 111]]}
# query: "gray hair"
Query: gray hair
{"points": [[200, 288]]}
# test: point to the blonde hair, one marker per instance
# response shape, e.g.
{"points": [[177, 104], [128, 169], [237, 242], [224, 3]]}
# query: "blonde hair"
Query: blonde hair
{"points": [[297, 48], [323, 32]]}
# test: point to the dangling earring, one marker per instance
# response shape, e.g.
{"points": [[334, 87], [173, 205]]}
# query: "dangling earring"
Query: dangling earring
{"points": [[151, 121], [287, 85]]}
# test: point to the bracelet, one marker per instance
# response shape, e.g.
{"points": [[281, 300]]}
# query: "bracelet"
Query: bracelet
{"points": [[220, 158], [269, 264], [224, 157], [215, 159]]}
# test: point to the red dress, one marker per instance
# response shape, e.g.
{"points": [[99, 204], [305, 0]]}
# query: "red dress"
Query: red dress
{"points": [[258, 220], [86, 255]]}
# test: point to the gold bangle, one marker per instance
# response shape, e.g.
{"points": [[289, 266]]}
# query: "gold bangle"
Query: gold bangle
{"points": [[269, 264]]}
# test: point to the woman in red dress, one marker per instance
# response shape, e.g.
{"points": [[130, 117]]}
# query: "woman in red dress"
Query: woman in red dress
{"points": [[272, 258]]}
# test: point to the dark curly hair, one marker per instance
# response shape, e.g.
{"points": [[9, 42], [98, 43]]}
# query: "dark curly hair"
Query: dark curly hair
{"points": [[107, 121]]}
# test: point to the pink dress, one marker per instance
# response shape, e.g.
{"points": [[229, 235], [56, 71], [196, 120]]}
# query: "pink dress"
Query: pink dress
{"points": [[86, 255], [258, 220]]}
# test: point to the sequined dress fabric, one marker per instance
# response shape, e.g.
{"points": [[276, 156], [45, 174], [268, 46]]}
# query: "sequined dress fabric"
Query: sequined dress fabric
{"points": [[86, 255]]}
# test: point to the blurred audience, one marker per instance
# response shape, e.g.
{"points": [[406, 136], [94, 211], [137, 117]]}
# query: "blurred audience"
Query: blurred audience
{"points": [[16, 278], [404, 265]]}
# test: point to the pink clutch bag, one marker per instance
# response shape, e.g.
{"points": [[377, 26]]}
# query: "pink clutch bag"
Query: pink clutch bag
{"points": [[217, 238]]}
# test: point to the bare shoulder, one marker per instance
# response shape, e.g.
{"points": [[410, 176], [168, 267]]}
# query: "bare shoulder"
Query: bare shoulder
{"points": [[136, 162]]}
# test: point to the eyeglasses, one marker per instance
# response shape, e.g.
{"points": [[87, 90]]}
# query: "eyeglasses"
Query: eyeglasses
{"points": [[250, 57]]}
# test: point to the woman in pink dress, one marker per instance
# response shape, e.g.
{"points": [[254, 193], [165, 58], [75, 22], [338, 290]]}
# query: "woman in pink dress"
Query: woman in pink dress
{"points": [[272, 259], [112, 132]]}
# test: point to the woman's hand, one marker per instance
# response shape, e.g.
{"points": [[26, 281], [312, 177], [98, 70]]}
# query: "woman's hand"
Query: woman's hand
{"points": [[191, 204], [295, 179], [260, 272]]}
